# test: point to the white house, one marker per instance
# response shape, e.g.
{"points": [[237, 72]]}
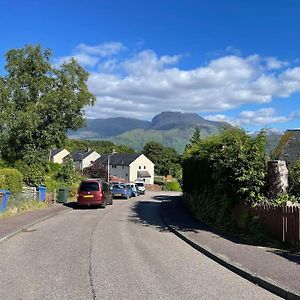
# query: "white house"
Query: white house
{"points": [[129, 166], [58, 155], [84, 159]]}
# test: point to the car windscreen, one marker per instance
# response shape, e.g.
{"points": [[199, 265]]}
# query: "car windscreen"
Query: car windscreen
{"points": [[116, 186], [140, 183], [89, 186]]}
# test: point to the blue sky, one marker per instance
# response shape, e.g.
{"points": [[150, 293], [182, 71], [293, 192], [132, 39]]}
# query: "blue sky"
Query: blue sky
{"points": [[225, 60]]}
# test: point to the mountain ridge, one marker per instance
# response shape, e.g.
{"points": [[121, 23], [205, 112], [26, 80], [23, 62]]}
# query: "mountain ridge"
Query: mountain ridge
{"points": [[172, 129]]}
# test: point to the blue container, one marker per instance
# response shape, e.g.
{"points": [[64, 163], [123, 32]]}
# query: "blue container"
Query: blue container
{"points": [[42, 193], [4, 196]]}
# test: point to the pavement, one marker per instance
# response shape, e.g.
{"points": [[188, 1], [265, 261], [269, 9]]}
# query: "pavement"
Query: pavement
{"points": [[273, 269], [14, 224]]}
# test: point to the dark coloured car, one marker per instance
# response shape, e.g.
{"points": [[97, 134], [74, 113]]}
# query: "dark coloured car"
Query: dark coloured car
{"points": [[94, 192]]}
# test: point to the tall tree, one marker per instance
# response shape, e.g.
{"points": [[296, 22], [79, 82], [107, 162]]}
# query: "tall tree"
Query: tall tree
{"points": [[166, 159], [40, 102], [196, 138]]}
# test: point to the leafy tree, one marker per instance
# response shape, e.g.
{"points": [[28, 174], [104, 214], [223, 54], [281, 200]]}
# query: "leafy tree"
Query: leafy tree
{"points": [[196, 138], [194, 142], [96, 170], [99, 146], [39, 102], [224, 170], [166, 159], [67, 173]]}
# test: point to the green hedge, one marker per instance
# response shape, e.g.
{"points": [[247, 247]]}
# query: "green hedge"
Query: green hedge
{"points": [[223, 170], [11, 179], [173, 186]]}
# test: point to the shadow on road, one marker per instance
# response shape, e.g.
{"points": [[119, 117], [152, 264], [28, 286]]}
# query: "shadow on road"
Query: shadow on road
{"points": [[147, 213], [176, 214], [287, 255], [74, 205]]}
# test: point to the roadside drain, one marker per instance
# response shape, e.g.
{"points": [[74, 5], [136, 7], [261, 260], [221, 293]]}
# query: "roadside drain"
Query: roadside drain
{"points": [[28, 230]]}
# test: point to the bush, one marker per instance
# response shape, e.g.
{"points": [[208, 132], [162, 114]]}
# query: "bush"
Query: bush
{"points": [[11, 179], [294, 179], [73, 190], [33, 174], [173, 186], [51, 184], [223, 170], [67, 174]]}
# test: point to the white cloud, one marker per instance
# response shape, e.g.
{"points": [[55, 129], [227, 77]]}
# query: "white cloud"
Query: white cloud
{"points": [[261, 117], [90, 56], [144, 84], [102, 50]]}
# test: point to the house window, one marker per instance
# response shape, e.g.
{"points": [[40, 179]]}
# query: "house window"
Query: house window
{"points": [[140, 167], [144, 167], [126, 175]]}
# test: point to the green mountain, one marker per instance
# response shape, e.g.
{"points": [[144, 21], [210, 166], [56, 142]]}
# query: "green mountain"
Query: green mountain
{"points": [[172, 129]]}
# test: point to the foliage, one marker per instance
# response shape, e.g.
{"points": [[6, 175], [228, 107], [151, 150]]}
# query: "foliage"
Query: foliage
{"points": [[99, 146], [73, 189], [294, 179], [223, 170], [96, 170], [39, 102], [282, 199], [52, 184], [166, 159], [33, 174], [67, 174], [172, 186], [11, 179]]}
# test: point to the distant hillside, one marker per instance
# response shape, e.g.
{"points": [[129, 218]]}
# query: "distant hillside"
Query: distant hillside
{"points": [[172, 129], [273, 137], [105, 128]]}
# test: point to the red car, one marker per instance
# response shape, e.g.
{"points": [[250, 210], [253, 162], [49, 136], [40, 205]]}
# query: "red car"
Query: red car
{"points": [[94, 192]]}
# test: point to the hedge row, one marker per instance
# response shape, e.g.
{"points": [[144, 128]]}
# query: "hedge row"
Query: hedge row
{"points": [[11, 179], [223, 170]]}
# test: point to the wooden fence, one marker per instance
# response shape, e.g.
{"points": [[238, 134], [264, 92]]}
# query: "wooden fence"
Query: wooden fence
{"points": [[282, 222]]}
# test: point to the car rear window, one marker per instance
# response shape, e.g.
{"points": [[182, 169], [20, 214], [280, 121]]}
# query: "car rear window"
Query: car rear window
{"points": [[89, 186]]}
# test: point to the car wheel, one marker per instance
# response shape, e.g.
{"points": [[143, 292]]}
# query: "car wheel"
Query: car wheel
{"points": [[111, 201], [103, 204]]}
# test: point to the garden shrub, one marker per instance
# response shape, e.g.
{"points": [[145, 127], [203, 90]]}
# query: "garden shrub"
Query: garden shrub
{"points": [[11, 179], [173, 186], [33, 174], [223, 170], [294, 179]]}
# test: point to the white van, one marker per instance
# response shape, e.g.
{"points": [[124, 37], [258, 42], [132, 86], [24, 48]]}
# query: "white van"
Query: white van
{"points": [[141, 186]]}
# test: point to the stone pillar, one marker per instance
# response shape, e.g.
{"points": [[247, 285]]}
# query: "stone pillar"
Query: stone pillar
{"points": [[277, 177]]}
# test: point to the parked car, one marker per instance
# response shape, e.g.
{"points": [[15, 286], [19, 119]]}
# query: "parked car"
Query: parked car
{"points": [[94, 192], [120, 190], [133, 188], [141, 186]]}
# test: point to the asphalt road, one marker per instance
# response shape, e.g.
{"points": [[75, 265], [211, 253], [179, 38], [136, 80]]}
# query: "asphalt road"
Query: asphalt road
{"points": [[121, 252]]}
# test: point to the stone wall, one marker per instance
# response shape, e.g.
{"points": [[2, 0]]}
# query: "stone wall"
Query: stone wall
{"points": [[277, 178]]}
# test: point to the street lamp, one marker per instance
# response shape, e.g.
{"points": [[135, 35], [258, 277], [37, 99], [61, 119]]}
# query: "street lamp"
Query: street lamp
{"points": [[108, 163]]}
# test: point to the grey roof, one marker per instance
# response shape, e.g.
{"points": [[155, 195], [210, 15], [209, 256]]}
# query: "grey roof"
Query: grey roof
{"points": [[53, 152], [123, 159], [290, 151], [143, 174], [80, 155]]}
